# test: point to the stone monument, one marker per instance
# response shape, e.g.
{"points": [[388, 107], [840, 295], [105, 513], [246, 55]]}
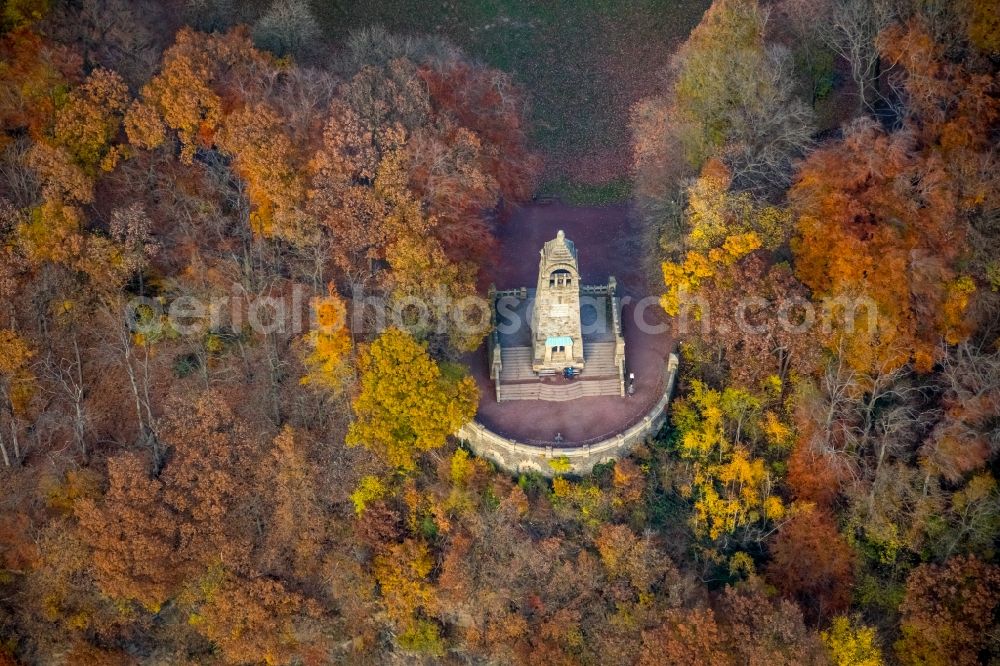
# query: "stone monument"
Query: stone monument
{"points": [[557, 340], [570, 345]]}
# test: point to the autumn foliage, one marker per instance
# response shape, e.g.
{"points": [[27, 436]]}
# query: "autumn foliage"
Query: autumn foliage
{"points": [[280, 481], [407, 403], [838, 322]]}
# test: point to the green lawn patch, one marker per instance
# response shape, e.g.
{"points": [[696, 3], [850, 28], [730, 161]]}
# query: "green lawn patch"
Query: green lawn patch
{"points": [[585, 194]]}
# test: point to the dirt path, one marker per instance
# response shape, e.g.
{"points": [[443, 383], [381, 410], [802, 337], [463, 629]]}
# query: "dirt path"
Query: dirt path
{"points": [[605, 240]]}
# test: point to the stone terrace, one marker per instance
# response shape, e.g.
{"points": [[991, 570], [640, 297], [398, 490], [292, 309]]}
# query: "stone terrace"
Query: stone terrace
{"points": [[599, 376], [608, 243]]}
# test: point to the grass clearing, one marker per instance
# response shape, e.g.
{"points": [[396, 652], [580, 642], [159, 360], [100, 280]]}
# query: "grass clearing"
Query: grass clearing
{"points": [[579, 193]]}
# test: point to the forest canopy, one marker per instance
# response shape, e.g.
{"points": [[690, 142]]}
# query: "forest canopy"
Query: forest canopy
{"points": [[214, 450]]}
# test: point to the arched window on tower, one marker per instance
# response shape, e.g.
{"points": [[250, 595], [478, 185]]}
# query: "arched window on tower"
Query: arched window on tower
{"points": [[560, 278]]}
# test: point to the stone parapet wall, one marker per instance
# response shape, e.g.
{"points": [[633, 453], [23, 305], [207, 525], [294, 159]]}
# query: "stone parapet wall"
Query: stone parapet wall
{"points": [[519, 457], [616, 322]]}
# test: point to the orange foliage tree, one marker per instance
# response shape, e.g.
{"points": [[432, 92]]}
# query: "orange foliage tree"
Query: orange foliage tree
{"points": [[329, 344], [151, 533], [183, 92], [264, 156], [685, 637], [870, 227], [259, 621], [886, 216], [33, 81]]}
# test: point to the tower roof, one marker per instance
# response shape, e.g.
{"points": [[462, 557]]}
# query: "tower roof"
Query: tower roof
{"points": [[560, 249]]}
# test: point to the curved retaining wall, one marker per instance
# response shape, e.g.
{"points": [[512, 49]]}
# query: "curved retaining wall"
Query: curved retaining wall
{"points": [[518, 457]]}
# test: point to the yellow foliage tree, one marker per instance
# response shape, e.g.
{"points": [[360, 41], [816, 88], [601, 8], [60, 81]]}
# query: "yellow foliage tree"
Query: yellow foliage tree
{"points": [[463, 468], [687, 276], [329, 344], [561, 465], [714, 213], [851, 644], [726, 95], [144, 127], [579, 500], [16, 377], [52, 233], [730, 487], [714, 64], [984, 26], [20, 13], [407, 404], [402, 574], [369, 489], [62, 179], [17, 383]]}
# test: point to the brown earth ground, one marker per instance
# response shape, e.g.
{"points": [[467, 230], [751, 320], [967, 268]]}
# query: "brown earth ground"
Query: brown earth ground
{"points": [[607, 240]]}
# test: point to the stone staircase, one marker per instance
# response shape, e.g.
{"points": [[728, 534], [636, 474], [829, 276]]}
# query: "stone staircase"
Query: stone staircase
{"points": [[560, 392], [599, 376], [516, 364], [600, 360]]}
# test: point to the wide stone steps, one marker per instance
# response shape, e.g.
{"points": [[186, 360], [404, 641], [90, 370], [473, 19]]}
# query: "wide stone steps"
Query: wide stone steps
{"points": [[560, 392], [516, 364], [599, 358]]}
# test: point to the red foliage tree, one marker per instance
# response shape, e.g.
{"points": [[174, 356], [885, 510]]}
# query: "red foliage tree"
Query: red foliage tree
{"points": [[812, 564]]}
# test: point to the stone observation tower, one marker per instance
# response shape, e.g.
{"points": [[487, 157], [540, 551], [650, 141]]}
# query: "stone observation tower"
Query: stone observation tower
{"points": [[561, 340], [557, 341]]}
